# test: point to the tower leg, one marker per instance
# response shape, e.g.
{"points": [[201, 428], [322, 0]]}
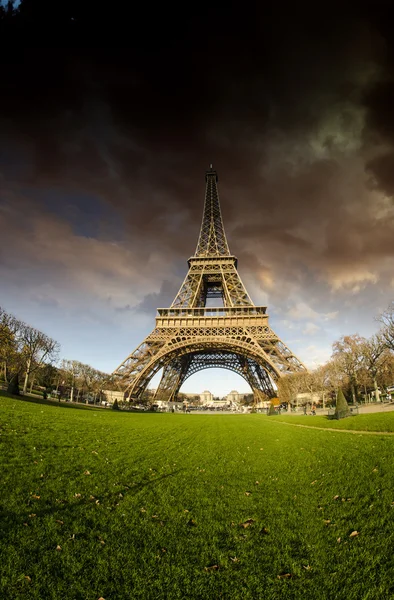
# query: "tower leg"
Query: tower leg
{"points": [[172, 379]]}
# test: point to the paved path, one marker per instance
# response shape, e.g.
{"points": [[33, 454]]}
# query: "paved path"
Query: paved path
{"points": [[357, 431]]}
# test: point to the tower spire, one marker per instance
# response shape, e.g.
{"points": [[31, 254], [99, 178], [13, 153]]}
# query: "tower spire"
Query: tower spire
{"points": [[212, 240]]}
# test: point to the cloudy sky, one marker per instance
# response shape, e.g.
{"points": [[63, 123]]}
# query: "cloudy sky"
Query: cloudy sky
{"points": [[102, 160]]}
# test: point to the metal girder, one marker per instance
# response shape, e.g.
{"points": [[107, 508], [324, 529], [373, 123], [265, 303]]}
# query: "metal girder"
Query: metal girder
{"points": [[190, 336]]}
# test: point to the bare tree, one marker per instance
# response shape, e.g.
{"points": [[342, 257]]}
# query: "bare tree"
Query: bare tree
{"points": [[387, 321], [9, 344], [348, 358], [71, 370], [37, 348], [373, 357]]}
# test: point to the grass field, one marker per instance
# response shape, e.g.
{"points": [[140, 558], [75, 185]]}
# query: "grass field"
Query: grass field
{"points": [[100, 504]]}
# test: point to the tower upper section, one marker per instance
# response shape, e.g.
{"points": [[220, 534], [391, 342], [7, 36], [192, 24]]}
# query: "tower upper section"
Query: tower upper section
{"points": [[212, 240]]}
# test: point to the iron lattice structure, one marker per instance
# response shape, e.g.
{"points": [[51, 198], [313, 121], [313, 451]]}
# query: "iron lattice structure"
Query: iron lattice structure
{"points": [[189, 336]]}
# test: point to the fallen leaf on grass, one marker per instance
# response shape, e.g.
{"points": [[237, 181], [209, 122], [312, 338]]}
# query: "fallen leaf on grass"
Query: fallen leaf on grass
{"points": [[339, 540], [143, 510], [353, 534], [265, 531], [32, 515], [86, 473], [28, 578], [284, 576], [247, 493], [58, 548], [326, 521], [313, 482], [257, 482], [77, 495], [212, 568], [60, 522], [101, 598], [192, 523], [35, 497], [336, 497], [374, 470], [307, 567], [247, 523], [234, 559], [94, 452]]}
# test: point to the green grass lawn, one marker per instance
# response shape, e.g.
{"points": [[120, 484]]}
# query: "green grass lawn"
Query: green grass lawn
{"points": [[100, 504]]}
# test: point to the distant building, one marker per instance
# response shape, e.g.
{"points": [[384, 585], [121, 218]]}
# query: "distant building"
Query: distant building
{"points": [[110, 396], [206, 397], [234, 396]]}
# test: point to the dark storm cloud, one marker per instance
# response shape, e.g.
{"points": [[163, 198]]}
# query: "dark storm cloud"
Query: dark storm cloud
{"points": [[292, 106]]}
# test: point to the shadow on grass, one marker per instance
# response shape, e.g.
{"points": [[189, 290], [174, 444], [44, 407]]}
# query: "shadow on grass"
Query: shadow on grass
{"points": [[11, 521], [51, 402]]}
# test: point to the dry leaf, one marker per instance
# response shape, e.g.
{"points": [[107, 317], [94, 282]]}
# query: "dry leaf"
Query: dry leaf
{"points": [[234, 559], [284, 576], [313, 482], [32, 516], [339, 540], [185, 511], [60, 522], [192, 523], [265, 531], [374, 470], [326, 521], [35, 497], [353, 534], [257, 482], [101, 598], [28, 578], [336, 497], [246, 523], [212, 568], [143, 510], [247, 493], [58, 548], [77, 495], [86, 472], [307, 567]]}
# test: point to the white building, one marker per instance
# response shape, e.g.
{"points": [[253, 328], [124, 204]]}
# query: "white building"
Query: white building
{"points": [[206, 397], [234, 397], [111, 395]]}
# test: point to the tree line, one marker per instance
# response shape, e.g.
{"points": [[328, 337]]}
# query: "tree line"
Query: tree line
{"points": [[362, 367], [29, 362]]}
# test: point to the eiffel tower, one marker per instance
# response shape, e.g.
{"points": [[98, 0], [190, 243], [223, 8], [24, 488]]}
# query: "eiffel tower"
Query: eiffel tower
{"points": [[189, 336]]}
